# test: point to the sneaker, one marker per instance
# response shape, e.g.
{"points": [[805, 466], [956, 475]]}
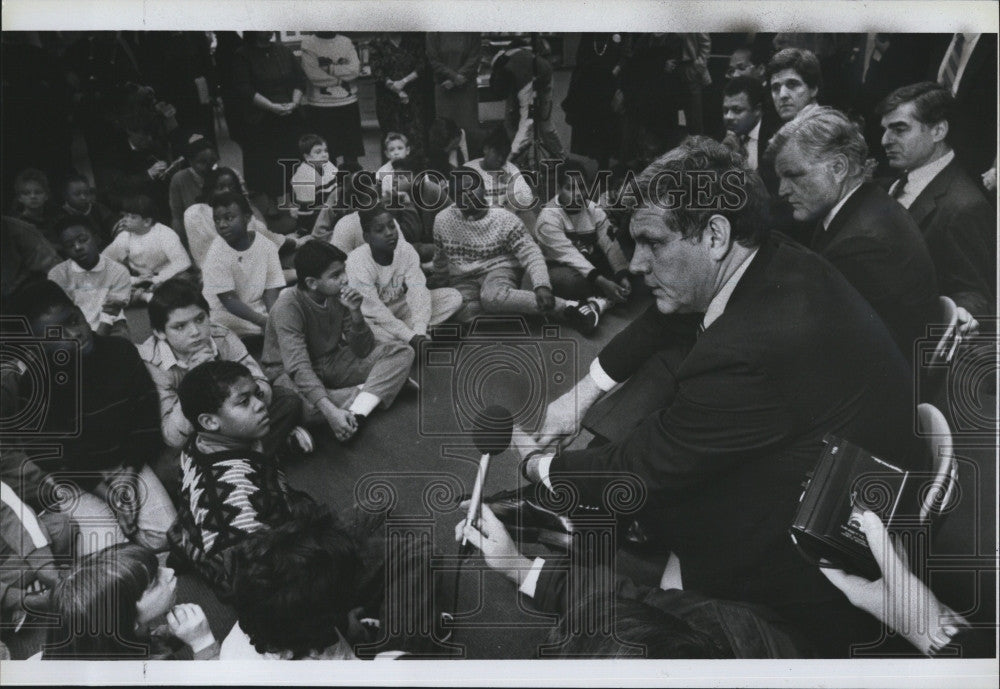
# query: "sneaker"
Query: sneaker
{"points": [[301, 440], [583, 317]]}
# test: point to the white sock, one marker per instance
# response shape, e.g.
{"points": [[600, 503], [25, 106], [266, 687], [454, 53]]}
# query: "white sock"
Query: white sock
{"points": [[364, 404], [563, 304]]}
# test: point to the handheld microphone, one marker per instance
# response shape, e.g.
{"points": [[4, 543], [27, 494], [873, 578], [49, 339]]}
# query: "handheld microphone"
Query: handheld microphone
{"points": [[494, 427]]}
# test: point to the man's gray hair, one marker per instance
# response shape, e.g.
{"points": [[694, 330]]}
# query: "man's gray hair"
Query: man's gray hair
{"points": [[821, 133]]}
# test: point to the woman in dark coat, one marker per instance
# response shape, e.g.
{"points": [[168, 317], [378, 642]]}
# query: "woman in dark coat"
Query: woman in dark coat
{"points": [[593, 103], [398, 65], [454, 57], [269, 80]]}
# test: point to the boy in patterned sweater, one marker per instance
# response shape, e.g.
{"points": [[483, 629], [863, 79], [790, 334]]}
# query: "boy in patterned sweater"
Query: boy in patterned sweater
{"points": [[230, 488], [483, 252]]}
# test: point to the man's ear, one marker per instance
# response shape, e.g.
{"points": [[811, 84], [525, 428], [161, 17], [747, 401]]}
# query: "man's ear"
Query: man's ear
{"points": [[939, 131], [839, 166], [159, 334], [310, 285], [718, 234], [210, 422]]}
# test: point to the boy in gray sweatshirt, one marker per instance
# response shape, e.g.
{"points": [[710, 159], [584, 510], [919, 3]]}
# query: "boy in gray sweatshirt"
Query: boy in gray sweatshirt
{"points": [[317, 343]]}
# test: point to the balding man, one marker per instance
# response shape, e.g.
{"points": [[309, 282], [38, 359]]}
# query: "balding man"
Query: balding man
{"points": [[819, 158], [782, 351]]}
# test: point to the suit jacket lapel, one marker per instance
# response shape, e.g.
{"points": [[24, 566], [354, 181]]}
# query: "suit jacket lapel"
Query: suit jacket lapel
{"points": [[823, 238], [926, 202]]}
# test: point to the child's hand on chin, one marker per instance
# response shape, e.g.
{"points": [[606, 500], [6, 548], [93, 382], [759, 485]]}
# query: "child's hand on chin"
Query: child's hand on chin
{"points": [[350, 297]]}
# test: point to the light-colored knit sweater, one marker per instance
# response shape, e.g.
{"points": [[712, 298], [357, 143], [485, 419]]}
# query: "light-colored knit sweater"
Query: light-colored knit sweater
{"points": [[466, 248]]}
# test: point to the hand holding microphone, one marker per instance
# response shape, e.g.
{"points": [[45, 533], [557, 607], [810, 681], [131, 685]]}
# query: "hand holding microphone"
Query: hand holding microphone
{"points": [[491, 537]]}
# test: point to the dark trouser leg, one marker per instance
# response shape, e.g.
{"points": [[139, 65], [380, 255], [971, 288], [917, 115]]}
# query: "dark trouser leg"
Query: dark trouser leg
{"points": [[651, 388], [568, 283], [285, 411]]}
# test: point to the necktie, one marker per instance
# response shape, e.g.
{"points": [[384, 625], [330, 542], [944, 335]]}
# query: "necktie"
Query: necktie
{"points": [[900, 187], [952, 61], [869, 51]]}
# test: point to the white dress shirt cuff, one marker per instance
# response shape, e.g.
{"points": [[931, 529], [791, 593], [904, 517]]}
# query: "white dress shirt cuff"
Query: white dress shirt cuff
{"points": [[530, 582], [600, 378], [203, 642]]}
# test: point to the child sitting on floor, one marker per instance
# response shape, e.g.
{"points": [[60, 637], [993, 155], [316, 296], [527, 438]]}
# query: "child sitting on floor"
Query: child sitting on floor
{"points": [[386, 271], [505, 185], [318, 343], [395, 147], [584, 262], [79, 201], [417, 196], [483, 252], [151, 251], [242, 271], [199, 223], [345, 231], [100, 286], [30, 545], [32, 189], [186, 185], [230, 487], [314, 588], [314, 182], [182, 338], [112, 605]]}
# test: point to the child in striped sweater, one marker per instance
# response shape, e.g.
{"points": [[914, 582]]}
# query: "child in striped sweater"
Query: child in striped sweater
{"points": [[314, 181], [230, 487]]}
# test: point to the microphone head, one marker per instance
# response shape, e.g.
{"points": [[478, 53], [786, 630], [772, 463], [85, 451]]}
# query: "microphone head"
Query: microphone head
{"points": [[494, 426]]}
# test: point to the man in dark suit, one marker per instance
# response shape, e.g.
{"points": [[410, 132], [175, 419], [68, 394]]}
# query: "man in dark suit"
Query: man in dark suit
{"points": [[782, 351], [864, 233], [750, 122], [795, 79], [743, 117], [879, 63], [958, 223]]}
